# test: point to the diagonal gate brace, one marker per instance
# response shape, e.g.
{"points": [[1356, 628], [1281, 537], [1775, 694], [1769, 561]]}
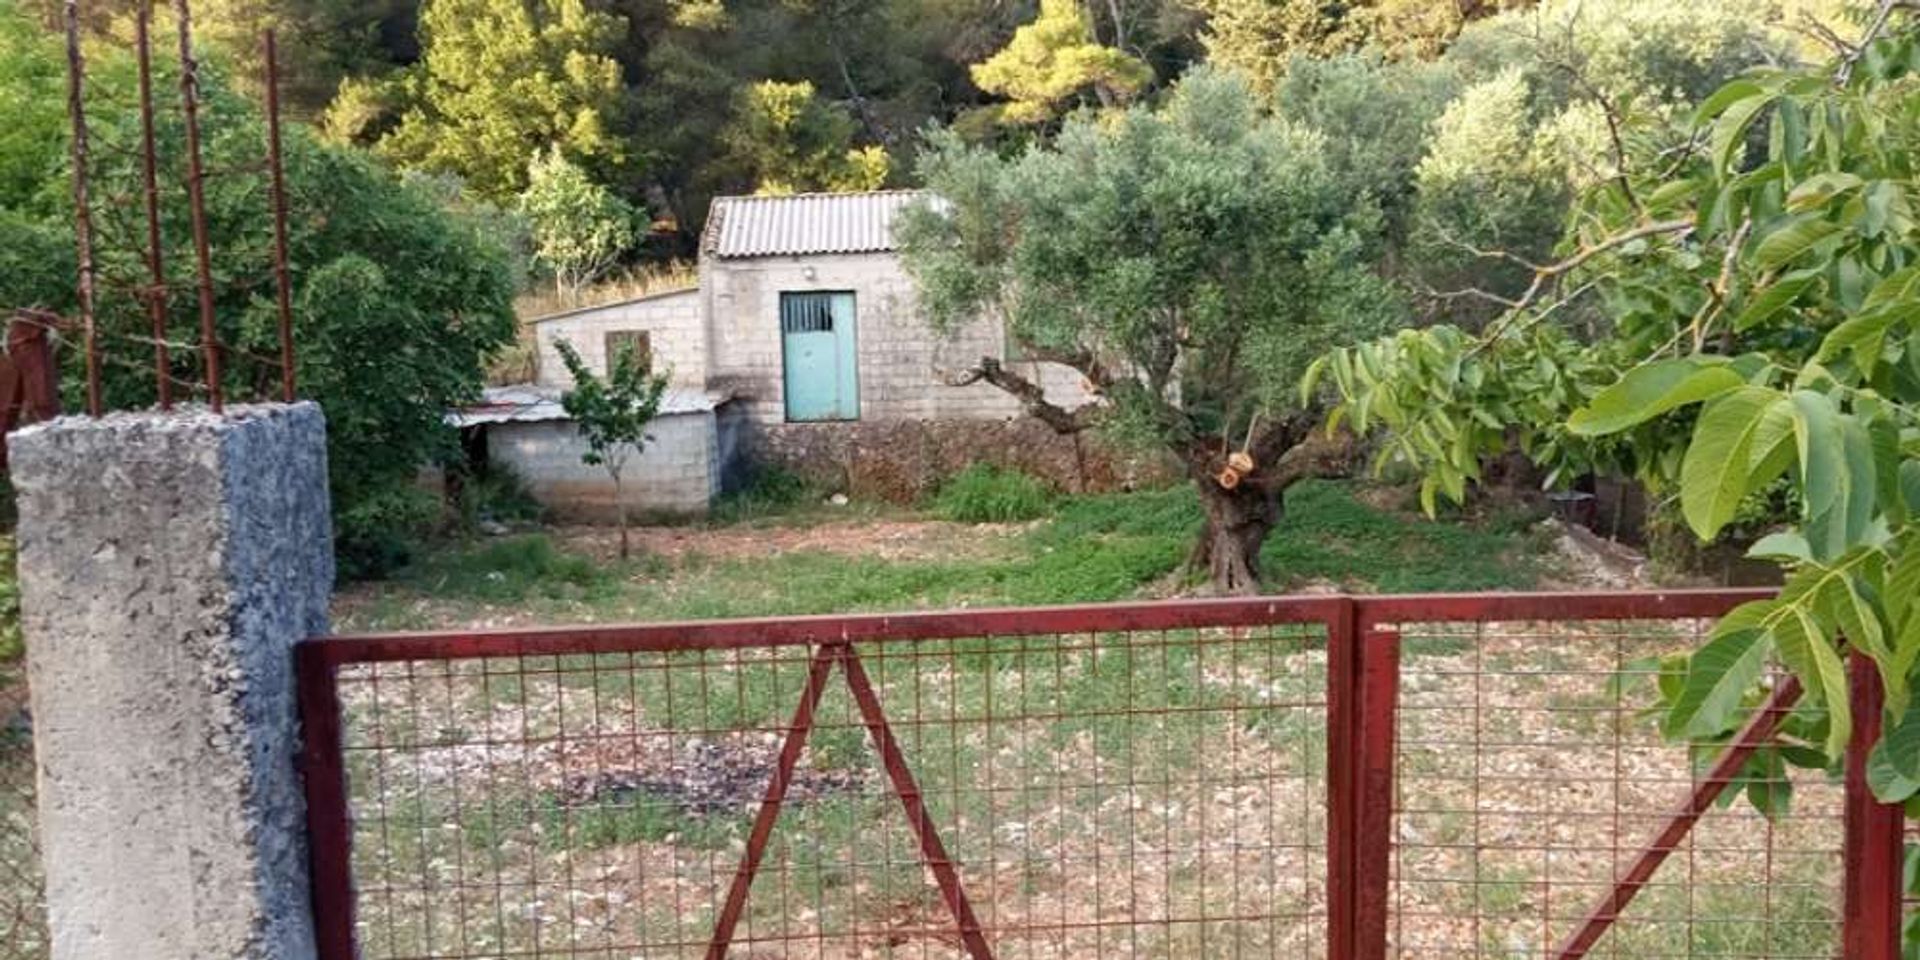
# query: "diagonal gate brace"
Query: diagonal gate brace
{"points": [[1756, 734], [932, 850]]}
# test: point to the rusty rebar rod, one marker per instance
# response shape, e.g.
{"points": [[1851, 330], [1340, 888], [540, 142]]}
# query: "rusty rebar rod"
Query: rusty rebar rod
{"points": [[197, 204], [156, 266], [82, 215], [283, 285]]}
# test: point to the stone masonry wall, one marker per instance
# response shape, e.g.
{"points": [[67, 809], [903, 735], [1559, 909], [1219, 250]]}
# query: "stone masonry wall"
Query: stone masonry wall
{"points": [[904, 461]]}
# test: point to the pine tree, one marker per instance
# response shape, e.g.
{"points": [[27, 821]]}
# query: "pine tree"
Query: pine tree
{"points": [[502, 80]]}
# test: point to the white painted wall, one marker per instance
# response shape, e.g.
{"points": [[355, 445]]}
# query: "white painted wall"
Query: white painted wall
{"points": [[673, 323], [680, 472]]}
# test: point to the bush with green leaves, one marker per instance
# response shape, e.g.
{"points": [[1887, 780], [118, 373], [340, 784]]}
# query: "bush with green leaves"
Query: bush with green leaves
{"points": [[580, 228], [398, 303], [769, 490], [495, 493], [984, 493]]}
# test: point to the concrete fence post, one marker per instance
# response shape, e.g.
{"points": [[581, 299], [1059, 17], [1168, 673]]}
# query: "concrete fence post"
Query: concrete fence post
{"points": [[168, 564]]}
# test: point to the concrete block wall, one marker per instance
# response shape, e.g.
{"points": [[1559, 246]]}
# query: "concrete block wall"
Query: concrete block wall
{"points": [[900, 357], [675, 328], [168, 564], [678, 473]]}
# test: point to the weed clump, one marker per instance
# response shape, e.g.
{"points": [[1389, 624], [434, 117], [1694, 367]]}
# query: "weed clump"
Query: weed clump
{"points": [[987, 494], [514, 569]]}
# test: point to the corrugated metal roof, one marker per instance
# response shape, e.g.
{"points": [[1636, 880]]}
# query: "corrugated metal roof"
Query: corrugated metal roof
{"points": [[803, 223], [527, 403]]}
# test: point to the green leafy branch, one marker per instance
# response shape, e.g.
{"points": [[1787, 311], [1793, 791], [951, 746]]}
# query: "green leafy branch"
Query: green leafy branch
{"points": [[1774, 340]]}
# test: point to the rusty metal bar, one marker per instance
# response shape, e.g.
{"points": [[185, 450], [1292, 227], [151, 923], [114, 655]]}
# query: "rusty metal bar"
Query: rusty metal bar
{"points": [[1375, 720], [808, 630], [1757, 733], [1875, 839], [1618, 605], [1343, 687], [796, 740], [197, 204], [82, 213], [329, 825], [150, 183], [27, 393], [283, 286], [932, 851], [30, 351], [1165, 615]]}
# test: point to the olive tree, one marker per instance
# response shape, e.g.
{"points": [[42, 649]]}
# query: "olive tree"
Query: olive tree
{"points": [[1187, 262]]}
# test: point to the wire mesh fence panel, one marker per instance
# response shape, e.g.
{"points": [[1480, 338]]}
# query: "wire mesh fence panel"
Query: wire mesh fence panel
{"points": [[23, 930], [1531, 773], [1117, 792]]}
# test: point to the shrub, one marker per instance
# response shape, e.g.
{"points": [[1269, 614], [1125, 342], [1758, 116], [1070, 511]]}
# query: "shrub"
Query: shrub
{"points": [[12, 644], [374, 534], [987, 494], [769, 490], [495, 492]]}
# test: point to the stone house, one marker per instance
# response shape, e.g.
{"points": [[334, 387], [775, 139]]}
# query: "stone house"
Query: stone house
{"points": [[802, 345]]}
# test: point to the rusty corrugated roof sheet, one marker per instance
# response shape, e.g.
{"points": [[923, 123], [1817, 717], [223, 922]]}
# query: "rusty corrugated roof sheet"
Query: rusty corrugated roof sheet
{"points": [[803, 223]]}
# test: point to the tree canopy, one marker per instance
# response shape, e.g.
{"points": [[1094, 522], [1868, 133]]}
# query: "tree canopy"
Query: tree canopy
{"points": [[500, 81], [786, 139], [1054, 59], [1759, 289], [1187, 261], [1261, 36]]}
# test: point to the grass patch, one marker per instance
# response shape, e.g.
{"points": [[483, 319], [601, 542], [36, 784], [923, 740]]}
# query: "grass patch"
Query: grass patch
{"points": [[1093, 549], [510, 570], [636, 819], [12, 644], [984, 493]]}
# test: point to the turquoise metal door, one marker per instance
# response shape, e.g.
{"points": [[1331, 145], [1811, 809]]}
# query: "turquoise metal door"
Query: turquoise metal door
{"points": [[822, 380]]}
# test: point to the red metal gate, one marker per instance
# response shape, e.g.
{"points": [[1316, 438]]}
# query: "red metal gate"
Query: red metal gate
{"points": [[1328, 776]]}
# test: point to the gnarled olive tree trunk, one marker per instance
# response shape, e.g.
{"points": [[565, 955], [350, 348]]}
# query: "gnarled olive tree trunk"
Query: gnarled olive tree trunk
{"points": [[1238, 524], [1243, 496], [1242, 492]]}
